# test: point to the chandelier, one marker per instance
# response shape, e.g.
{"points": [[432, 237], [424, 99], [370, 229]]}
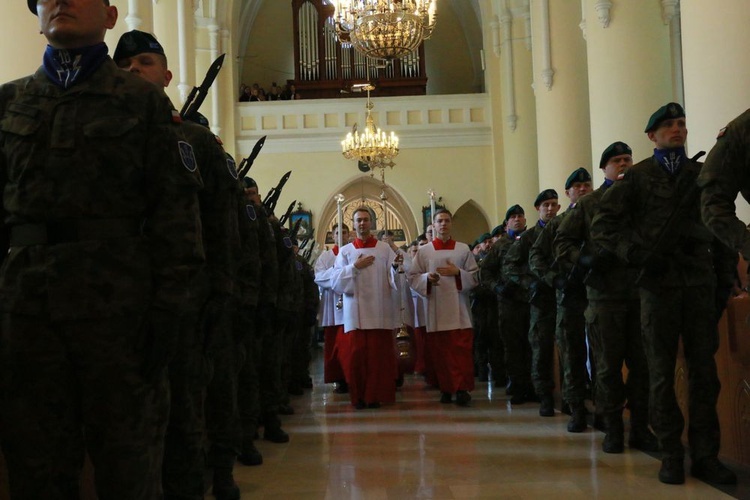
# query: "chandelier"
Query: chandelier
{"points": [[373, 146], [384, 29]]}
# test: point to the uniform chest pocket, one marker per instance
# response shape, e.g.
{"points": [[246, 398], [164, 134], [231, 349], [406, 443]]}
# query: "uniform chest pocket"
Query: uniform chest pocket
{"points": [[20, 120], [103, 129]]}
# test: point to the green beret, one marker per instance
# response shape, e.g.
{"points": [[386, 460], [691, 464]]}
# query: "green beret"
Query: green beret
{"points": [[579, 175], [547, 194], [666, 112], [615, 149], [137, 42], [484, 238], [250, 183], [514, 210], [497, 231]]}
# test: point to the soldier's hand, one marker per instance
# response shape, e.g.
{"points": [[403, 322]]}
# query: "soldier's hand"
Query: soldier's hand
{"points": [[364, 261]]}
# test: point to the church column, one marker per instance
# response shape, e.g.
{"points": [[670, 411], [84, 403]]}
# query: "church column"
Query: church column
{"points": [[519, 115], [630, 72], [561, 89], [715, 40]]}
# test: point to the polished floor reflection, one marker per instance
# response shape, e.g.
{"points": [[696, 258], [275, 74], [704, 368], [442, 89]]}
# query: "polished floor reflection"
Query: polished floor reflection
{"points": [[419, 448]]}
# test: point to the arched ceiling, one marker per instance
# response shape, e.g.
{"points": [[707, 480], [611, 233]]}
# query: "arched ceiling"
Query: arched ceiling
{"points": [[239, 16]]}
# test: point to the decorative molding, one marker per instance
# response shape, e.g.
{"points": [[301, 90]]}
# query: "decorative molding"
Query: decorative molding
{"points": [[506, 20], [496, 40], [670, 9], [133, 20], [602, 12], [547, 71], [582, 24]]}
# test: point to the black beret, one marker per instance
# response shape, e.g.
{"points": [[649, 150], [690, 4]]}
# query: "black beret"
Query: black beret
{"points": [[547, 194], [666, 112], [514, 210], [579, 175], [484, 238], [250, 182], [137, 42], [498, 230], [615, 149]]}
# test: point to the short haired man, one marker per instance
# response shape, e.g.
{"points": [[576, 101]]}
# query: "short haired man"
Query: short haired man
{"points": [[444, 273], [364, 277], [509, 350], [679, 267], [99, 196], [541, 300], [614, 315], [570, 333], [331, 315]]}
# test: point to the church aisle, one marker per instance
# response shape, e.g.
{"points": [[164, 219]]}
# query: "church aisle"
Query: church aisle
{"points": [[419, 448]]}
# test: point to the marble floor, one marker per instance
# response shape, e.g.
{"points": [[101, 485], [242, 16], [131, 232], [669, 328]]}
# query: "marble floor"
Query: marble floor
{"points": [[419, 448]]}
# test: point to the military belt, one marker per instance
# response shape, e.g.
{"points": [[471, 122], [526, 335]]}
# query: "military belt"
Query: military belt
{"points": [[73, 230]]}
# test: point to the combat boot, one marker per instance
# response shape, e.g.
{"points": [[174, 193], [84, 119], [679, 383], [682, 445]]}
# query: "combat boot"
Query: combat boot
{"points": [[546, 406], [641, 438], [250, 455], [577, 422], [712, 471], [224, 486], [672, 470], [614, 439], [275, 435]]}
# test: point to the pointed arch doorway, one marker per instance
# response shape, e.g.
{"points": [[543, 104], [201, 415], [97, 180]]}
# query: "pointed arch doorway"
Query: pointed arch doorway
{"points": [[367, 191]]}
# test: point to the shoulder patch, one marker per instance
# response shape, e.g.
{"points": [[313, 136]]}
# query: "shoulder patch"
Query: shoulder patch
{"points": [[218, 140], [232, 167], [721, 133], [287, 242], [250, 211], [176, 118], [187, 155], [299, 265]]}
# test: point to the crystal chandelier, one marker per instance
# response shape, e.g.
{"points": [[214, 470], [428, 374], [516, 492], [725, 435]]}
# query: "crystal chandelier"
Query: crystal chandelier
{"points": [[384, 29], [373, 146]]}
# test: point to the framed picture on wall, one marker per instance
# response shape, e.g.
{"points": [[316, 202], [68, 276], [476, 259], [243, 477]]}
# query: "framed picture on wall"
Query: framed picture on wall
{"points": [[427, 216], [305, 226]]}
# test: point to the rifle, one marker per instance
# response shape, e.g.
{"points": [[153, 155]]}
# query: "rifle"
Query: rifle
{"points": [[286, 215], [295, 229], [273, 195], [198, 94], [246, 163], [671, 228]]}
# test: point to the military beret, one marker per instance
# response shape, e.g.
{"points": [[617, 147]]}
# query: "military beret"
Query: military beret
{"points": [[514, 210], [615, 149], [250, 182], [666, 112], [579, 175], [498, 230], [547, 194], [484, 238], [137, 42]]}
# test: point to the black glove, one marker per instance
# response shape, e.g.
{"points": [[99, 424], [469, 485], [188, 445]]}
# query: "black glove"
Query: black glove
{"points": [[161, 330], [599, 260]]}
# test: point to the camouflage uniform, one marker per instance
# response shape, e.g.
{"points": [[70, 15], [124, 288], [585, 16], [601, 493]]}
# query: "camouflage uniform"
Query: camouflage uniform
{"points": [[204, 324], [725, 174], [488, 347], [676, 280], [542, 309], [613, 318], [287, 309], [571, 303], [513, 312], [105, 235], [300, 352]]}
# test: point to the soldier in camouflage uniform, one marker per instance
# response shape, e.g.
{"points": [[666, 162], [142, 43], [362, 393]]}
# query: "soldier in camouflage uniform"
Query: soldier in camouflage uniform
{"points": [[99, 194], [613, 315], [651, 220], [483, 314], [541, 300], [300, 352], [725, 174], [513, 308], [288, 318], [205, 322], [571, 302]]}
